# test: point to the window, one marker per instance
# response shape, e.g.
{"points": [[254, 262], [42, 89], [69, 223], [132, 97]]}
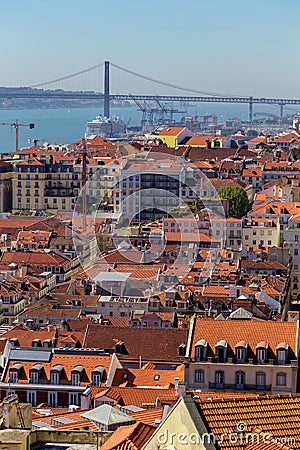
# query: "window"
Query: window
{"points": [[296, 252], [13, 378], [76, 379], [221, 350], [73, 398], [54, 378], [281, 379], [200, 350], [240, 354], [96, 379], [240, 379], [281, 356], [31, 397], [52, 398], [260, 379], [219, 379], [199, 376], [261, 354], [34, 377]]}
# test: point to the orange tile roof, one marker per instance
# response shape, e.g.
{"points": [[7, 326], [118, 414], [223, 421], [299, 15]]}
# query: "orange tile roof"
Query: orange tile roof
{"points": [[148, 416], [173, 131], [26, 336], [89, 362], [139, 396], [149, 343], [131, 437], [276, 415], [252, 332], [149, 376], [31, 161], [262, 441]]}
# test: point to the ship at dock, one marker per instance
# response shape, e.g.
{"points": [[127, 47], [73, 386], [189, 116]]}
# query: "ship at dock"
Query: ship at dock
{"points": [[105, 127]]}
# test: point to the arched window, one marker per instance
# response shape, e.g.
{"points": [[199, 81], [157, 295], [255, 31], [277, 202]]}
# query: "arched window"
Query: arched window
{"points": [[241, 351], [281, 352], [262, 352], [240, 379], [221, 350], [200, 350]]}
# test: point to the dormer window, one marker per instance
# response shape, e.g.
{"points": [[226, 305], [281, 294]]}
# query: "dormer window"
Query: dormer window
{"points": [[262, 352], [36, 343], [241, 351], [47, 343], [200, 350], [97, 375], [34, 373], [282, 352], [76, 375], [221, 350], [181, 350], [120, 347], [14, 372], [55, 374], [14, 342]]}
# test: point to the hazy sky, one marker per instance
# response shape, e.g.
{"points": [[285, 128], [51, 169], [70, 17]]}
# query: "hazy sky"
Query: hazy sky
{"points": [[246, 47]]}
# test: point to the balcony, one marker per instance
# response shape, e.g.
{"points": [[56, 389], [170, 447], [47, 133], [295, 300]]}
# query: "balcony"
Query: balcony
{"points": [[243, 387]]}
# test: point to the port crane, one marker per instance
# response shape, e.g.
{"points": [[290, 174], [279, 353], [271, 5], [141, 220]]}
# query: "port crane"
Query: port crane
{"points": [[16, 126]]}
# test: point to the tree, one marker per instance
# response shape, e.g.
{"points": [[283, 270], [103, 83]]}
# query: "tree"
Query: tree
{"points": [[239, 204], [296, 153]]}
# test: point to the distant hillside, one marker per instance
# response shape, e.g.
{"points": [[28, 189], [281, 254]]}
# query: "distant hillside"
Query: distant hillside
{"points": [[35, 103]]}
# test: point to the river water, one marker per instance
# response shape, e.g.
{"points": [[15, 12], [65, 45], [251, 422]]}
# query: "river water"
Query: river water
{"points": [[68, 125]]}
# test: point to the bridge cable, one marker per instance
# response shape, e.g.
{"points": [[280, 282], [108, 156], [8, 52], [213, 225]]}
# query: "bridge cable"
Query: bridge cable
{"points": [[66, 77], [163, 83]]}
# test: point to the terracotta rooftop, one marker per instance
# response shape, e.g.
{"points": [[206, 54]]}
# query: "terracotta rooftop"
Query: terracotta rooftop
{"points": [[252, 332], [148, 343], [131, 437], [272, 414], [139, 396]]}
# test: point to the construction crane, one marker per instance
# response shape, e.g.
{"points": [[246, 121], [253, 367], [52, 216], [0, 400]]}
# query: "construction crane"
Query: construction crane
{"points": [[164, 109], [16, 125], [146, 110]]}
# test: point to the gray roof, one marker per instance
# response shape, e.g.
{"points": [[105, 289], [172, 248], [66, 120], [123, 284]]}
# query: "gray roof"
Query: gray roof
{"points": [[22, 354], [107, 415], [241, 313], [37, 366], [112, 276]]}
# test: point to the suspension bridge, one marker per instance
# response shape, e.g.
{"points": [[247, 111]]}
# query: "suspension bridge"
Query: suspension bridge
{"points": [[190, 95]]}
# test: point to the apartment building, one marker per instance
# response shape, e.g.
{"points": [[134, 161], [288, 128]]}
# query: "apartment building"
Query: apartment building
{"points": [[45, 183], [263, 231], [12, 302], [242, 355], [58, 377], [292, 243], [6, 176]]}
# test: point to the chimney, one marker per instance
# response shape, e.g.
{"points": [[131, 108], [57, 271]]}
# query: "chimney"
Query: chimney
{"points": [[180, 387]]}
